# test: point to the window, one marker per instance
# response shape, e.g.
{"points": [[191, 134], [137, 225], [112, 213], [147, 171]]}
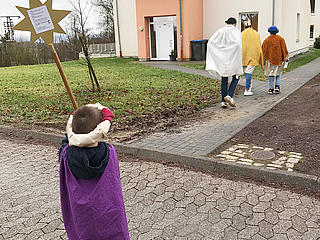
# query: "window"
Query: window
{"points": [[312, 4], [253, 17], [298, 27], [311, 31]]}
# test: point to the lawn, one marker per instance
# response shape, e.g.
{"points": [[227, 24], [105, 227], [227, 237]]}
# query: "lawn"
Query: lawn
{"points": [[258, 73], [36, 94]]}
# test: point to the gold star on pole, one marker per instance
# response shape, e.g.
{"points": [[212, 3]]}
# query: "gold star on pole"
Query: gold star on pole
{"points": [[54, 15], [42, 21]]}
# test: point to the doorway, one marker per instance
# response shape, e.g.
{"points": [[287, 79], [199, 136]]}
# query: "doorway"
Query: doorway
{"points": [[163, 37], [253, 17]]}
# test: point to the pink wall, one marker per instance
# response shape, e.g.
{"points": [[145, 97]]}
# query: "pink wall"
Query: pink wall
{"points": [[192, 22]]}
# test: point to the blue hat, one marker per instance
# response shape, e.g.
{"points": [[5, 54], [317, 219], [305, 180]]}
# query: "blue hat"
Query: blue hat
{"points": [[273, 29]]}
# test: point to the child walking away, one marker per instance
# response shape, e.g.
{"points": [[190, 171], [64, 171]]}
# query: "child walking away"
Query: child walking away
{"points": [[90, 188], [275, 52], [224, 56], [251, 54]]}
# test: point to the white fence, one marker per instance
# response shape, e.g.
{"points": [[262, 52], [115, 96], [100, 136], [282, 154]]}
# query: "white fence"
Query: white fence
{"points": [[101, 50]]}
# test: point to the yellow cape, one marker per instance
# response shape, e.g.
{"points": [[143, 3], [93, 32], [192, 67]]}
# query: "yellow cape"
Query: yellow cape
{"points": [[251, 48]]}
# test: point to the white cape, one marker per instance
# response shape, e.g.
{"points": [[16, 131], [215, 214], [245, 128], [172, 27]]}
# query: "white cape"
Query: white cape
{"points": [[224, 52]]}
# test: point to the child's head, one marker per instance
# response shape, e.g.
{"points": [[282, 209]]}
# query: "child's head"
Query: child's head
{"points": [[273, 30], [86, 119]]}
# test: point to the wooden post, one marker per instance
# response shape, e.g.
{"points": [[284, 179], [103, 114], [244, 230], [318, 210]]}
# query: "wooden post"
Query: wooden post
{"points": [[66, 84]]}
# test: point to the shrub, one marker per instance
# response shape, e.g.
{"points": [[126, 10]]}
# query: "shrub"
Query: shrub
{"points": [[317, 43]]}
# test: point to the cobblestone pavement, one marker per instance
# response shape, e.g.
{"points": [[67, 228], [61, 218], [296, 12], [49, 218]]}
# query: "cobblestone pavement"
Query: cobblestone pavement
{"points": [[202, 139], [162, 202]]}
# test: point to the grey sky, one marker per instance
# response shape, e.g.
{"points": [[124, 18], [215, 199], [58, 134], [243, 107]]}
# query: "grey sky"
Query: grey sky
{"points": [[7, 7]]}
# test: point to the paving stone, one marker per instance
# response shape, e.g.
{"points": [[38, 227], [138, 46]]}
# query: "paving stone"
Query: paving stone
{"points": [[221, 225], [311, 234], [252, 199], [271, 216], [294, 235], [237, 201], [162, 202], [293, 160], [191, 210], [258, 164], [230, 212], [246, 209], [295, 153], [238, 155], [200, 199], [169, 204], [265, 229], [179, 194], [282, 226], [222, 204], [150, 235], [258, 237], [267, 197], [239, 222], [299, 224], [230, 233], [214, 216], [277, 205], [255, 219], [245, 163], [248, 232], [287, 213], [303, 212], [279, 237], [261, 207]]}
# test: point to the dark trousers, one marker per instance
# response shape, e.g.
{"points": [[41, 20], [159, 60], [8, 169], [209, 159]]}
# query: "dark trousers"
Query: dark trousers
{"points": [[224, 87]]}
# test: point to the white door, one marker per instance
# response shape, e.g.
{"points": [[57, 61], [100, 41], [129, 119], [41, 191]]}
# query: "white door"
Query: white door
{"points": [[164, 39]]}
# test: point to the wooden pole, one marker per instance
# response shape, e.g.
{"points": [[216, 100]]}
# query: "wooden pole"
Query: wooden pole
{"points": [[66, 84]]}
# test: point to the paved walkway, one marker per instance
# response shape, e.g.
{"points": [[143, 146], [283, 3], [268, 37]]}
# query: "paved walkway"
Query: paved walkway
{"points": [[161, 202], [225, 123]]}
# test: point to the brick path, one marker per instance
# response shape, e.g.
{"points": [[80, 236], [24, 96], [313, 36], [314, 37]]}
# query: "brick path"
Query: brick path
{"points": [[162, 202], [202, 139]]}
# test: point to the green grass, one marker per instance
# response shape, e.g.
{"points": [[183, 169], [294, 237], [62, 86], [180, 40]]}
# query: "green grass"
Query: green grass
{"points": [[258, 73], [198, 66], [36, 94]]}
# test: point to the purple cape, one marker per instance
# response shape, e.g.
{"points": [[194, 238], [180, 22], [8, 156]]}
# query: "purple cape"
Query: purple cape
{"points": [[93, 209]]}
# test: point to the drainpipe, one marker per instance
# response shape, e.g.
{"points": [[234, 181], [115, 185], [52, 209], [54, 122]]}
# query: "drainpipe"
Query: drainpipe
{"points": [[118, 27], [181, 44], [273, 11]]}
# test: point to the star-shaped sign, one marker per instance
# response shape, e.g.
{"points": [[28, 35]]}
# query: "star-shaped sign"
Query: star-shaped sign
{"points": [[41, 20]]}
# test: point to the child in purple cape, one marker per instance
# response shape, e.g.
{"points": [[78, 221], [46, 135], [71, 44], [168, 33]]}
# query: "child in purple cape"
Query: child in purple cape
{"points": [[90, 188]]}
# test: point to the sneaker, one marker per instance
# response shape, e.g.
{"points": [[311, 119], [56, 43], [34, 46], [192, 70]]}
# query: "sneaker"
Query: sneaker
{"points": [[250, 89], [270, 91], [277, 89], [230, 101], [224, 104], [247, 92]]}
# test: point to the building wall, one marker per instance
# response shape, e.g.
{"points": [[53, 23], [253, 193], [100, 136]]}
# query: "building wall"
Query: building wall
{"points": [[192, 22], [201, 18], [151, 8], [216, 12], [289, 26], [315, 20], [128, 28]]}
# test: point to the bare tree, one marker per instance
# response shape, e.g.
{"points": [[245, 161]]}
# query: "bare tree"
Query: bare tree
{"points": [[80, 32], [106, 9]]}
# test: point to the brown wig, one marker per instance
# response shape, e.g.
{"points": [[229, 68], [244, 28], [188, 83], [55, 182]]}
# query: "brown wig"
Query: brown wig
{"points": [[86, 119]]}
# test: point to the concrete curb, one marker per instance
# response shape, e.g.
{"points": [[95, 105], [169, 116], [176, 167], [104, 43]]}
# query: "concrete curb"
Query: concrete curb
{"points": [[299, 180]]}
